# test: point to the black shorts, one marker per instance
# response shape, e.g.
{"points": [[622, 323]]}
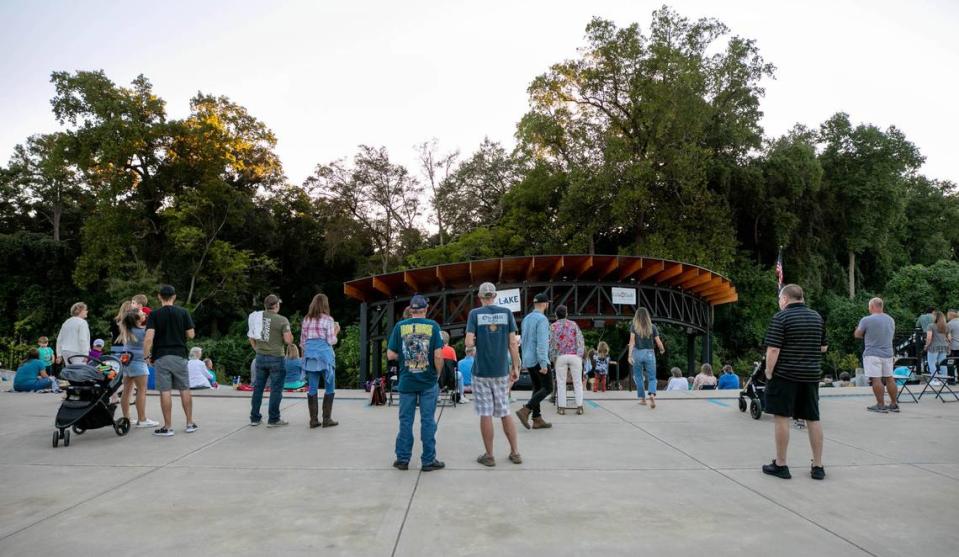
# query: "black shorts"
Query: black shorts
{"points": [[792, 399]]}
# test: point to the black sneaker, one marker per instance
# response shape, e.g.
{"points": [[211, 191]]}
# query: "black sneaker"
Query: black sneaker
{"points": [[435, 465], [894, 409], [774, 469], [400, 465], [817, 473], [163, 432]]}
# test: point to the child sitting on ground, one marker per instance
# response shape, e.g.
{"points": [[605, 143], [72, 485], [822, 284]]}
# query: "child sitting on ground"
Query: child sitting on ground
{"points": [[677, 382], [844, 380], [601, 367], [210, 373]]}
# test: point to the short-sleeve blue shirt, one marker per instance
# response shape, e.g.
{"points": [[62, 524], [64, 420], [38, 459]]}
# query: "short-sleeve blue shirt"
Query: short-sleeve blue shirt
{"points": [[492, 326], [415, 340]]}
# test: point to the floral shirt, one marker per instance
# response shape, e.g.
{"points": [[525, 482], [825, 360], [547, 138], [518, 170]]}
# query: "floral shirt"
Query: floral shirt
{"points": [[318, 328], [566, 339]]}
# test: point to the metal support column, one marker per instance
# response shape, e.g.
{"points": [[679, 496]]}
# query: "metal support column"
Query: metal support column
{"points": [[690, 352], [364, 343]]}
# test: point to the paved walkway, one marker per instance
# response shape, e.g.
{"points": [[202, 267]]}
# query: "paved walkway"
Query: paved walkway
{"points": [[622, 479]]}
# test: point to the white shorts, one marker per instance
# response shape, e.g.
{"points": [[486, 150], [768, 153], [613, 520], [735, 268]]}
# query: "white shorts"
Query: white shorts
{"points": [[875, 366]]}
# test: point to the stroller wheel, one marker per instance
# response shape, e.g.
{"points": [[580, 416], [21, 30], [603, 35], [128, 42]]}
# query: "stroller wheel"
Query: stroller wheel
{"points": [[78, 430], [56, 438], [66, 438], [121, 426], [742, 404], [755, 410]]}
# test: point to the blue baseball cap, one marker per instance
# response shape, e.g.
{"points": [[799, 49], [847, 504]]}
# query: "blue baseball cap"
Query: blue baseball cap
{"points": [[418, 302]]}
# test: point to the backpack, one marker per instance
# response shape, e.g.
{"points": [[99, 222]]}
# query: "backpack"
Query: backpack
{"points": [[379, 392]]}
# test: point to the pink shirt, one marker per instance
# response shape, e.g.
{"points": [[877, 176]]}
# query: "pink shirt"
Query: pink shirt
{"points": [[318, 328]]}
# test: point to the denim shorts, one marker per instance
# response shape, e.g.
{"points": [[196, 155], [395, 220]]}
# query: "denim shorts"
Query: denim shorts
{"points": [[136, 369]]}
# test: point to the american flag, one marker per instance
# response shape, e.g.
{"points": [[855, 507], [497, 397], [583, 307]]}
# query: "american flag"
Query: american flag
{"points": [[779, 270]]}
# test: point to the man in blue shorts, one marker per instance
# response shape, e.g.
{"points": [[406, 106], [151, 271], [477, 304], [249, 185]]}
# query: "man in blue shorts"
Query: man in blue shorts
{"points": [[492, 330]]}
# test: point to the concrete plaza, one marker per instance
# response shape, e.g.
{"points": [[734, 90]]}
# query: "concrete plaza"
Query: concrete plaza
{"points": [[621, 479]]}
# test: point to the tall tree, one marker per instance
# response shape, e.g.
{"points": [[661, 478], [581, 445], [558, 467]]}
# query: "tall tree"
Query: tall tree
{"points": [[43, 180], [865, 171], [377, 193], [436, 168]]}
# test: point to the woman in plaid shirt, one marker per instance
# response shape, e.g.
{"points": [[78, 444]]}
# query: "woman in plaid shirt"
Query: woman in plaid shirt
{"points": [[317, 338]]}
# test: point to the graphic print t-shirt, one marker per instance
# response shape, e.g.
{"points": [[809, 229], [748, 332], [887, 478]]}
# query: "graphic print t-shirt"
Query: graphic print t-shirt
{"points": [[274, 327], [415, 340], [492, 326]]}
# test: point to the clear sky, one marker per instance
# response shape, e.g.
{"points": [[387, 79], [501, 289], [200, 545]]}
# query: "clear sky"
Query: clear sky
{"points": [[329, 75]]}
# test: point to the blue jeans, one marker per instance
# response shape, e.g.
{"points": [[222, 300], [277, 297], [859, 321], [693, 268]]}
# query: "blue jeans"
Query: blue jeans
{"points": [[934, 359], [404, 439], [329, 377], [272, 368], [644, 365], [32, 385]]}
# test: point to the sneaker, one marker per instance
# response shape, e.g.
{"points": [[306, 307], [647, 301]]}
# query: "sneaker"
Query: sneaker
{"points": [[877, 408], [893, 408], [515, 458], [435, 465], [278, 423], [817, 472], [146, 423], [163, 432], [191, 428], [774, 469], [401, 465], [255, 423], [486, 460]]}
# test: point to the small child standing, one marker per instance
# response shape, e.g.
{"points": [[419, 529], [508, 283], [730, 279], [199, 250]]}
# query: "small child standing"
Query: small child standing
{"points": [[601, 367], [46, 354]]}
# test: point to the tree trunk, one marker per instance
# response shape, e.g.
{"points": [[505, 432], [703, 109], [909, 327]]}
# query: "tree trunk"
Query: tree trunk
{"points": [[852, 274], [592, 245], [439, 223], [57, 214]]}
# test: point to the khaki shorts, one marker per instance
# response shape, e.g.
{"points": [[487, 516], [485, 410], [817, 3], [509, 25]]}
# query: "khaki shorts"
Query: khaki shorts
{"points": [[874, 366]]}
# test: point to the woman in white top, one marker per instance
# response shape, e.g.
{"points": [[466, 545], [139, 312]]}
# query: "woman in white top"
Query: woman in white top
{"points": [[74, 336], [705, 378], [677, 382], [197, 369]]}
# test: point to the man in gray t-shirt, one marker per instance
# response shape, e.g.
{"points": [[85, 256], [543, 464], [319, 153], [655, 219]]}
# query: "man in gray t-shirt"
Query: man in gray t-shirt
{"points": [[953, 325], [877, 330]]}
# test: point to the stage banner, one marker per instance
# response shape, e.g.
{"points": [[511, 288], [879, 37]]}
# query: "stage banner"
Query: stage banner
{"points": [[624, 296], [510, 299]]}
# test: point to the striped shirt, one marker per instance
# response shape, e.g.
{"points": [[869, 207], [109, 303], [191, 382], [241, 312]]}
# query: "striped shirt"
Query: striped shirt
{"points": [[323, 328], [799, 334]]}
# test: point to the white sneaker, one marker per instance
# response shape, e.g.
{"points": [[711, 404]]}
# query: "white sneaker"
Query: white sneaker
{"points": [[146, 423], [191, 428]]}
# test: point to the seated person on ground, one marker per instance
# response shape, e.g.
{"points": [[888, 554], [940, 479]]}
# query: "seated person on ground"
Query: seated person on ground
{"points": [[677, 382], [465, 369], [197, 369], [210, 373], [32, 375], [728, 380], [704, 378], [844, 380]]}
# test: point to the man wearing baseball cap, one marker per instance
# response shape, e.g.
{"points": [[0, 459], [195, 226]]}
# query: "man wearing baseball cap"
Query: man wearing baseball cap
{"points": [[270, 348], [492, 330], [535, 341], [415, 353]]}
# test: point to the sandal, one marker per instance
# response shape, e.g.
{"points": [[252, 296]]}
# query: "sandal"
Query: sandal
{"points": [[487, 460], [515, 458]]}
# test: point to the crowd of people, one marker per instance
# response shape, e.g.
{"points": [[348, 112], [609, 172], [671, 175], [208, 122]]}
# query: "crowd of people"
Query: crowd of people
{"points": [[418, 349]]}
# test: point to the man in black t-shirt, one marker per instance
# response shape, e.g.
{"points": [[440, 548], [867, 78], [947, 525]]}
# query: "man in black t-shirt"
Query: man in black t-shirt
{"points": [[795, 342], [168, 329]]}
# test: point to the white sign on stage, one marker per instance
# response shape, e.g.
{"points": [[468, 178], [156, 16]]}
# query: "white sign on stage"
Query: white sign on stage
{"points": [[624, 296], [509, 299]]}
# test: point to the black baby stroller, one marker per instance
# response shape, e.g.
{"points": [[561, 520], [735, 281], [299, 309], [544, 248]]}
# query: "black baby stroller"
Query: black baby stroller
{"points": [[755, 391], [87, 404]]}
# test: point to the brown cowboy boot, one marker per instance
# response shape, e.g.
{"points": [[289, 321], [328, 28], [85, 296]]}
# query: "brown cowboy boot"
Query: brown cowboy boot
{"points": [[327, 410], [540, 423], [313, 406]]}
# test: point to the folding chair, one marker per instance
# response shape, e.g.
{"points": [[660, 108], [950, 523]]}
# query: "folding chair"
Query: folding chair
{"points": [[902, 375], [943, 379]]}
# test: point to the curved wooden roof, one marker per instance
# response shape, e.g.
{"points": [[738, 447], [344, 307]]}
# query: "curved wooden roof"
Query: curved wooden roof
{"points": [[693, 279]]}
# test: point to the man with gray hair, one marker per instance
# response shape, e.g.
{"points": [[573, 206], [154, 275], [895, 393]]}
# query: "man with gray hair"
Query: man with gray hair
{"points": [[877, 330], [795, 341]]}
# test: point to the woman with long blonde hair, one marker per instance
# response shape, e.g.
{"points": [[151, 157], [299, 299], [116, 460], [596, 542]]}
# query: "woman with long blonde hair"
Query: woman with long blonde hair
{"points": [[317, 338], [643, 336]]}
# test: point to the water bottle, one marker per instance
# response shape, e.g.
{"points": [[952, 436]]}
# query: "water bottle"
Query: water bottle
{"points": [[236, 381]]}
